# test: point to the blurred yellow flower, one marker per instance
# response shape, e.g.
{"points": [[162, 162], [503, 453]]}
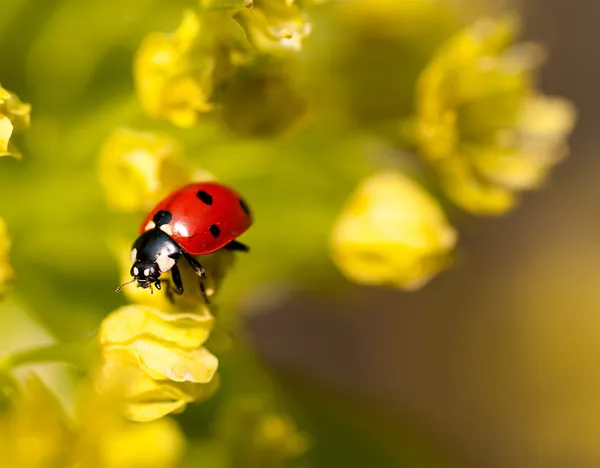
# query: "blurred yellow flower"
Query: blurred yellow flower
{"points": [[391, 232], [481, 123], [6, 270], [275, 25], [256, 437], [137, 169], [37, 433], [163, 355], [175, 75], [106, 439], [14, 116], [34, 432]]}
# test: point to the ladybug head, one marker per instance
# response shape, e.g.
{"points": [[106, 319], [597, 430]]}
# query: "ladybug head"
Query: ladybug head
{"points": [[145, 273]]}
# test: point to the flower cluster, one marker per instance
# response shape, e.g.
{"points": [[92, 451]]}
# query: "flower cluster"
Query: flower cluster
{"points": [[14, 116], [486, 132], [224, 46], [480, 122]]}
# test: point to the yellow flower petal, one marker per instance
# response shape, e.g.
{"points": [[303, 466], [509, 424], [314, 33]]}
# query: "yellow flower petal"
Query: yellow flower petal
{"points": [[147, 399], [470, 192], [166, 362], [14, 116], [186, 330], [6, 130], [391, 232], [167, 398]]}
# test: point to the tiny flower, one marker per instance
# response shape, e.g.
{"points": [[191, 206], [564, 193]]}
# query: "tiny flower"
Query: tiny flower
{"points": [[137, 169], [6, 271], [391, 232], [176, 74], [480, 122], [275, 25], [163, 355], [14, 116], [254, 435]]}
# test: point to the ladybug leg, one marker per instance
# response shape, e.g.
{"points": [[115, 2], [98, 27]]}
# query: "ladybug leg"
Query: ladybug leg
{"points": [[236, 246], [176, 278], [203, 291], [195, 264]]}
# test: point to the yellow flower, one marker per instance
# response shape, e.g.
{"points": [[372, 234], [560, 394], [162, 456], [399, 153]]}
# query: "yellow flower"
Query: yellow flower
{"points": [[37, 433], [6, 271], [138, 169], [275, 25], [175, 75], [14, 115], [163, 355], [391, 232], [255, 436], [480, 122]]}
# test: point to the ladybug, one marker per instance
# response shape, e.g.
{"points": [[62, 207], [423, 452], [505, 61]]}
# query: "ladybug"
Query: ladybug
{"points": [[196, 219]]}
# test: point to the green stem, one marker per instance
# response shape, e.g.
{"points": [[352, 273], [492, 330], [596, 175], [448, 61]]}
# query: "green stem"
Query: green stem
{"points": [[80, 354]]}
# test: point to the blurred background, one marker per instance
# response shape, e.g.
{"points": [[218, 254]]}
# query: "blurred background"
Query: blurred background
{"points": [[493, 363]]}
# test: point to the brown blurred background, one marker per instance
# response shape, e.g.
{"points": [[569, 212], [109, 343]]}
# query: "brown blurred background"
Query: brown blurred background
{"points": [[497, 359]]}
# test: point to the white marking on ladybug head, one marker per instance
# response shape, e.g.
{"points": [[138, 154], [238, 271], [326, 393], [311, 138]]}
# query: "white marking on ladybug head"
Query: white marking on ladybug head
{"points": [[136, 271], [147, 272], [167, 229], [133, 255], [149, 226], [180, 229], [165, 263]]}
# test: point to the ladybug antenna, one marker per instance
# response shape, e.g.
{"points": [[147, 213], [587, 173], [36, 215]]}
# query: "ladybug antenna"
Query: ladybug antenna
{"points": [[124, 284]]}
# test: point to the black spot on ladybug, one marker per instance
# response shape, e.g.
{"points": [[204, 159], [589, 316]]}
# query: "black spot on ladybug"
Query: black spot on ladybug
{"points": [[215, 231], [244, 207], [162, 217], [204, 197]]}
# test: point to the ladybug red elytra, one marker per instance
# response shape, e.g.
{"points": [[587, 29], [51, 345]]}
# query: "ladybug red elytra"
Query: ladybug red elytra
{"points": [[196, 219]]}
